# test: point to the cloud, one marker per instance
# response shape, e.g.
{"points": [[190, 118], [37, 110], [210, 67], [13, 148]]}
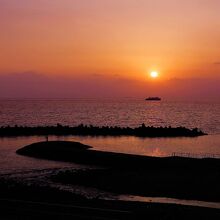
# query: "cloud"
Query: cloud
{"points": [[216, 63], [97, 75], [33, 85]]}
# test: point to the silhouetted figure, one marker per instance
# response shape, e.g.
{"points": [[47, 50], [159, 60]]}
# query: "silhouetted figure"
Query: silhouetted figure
{"points": [[143, 125]]}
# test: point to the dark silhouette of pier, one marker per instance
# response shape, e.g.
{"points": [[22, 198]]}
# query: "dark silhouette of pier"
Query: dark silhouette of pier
{"points": [[85, 130]]}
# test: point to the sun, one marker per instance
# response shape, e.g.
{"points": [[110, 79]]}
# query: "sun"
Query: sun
{"points": [[154, 74]]}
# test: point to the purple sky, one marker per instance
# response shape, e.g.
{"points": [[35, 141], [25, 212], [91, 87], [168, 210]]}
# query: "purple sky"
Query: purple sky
{"points": [[32, 85]]}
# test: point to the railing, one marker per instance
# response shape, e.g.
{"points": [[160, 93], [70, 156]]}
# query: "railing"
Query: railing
{"points": [[193, 155]]}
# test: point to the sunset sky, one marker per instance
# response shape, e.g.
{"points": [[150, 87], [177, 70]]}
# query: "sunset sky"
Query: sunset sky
{"points": [[83, 47]]}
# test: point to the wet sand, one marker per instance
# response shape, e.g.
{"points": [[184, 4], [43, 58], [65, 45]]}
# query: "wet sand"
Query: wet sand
{"points": [[118, 173], [33, 202], [174, 177]]}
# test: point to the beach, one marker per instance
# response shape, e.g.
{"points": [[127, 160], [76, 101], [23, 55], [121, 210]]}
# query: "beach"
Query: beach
{"points": [[135, 179]]}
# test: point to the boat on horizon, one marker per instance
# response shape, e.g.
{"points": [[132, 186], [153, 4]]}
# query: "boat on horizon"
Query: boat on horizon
{"points": [[153, 99]]}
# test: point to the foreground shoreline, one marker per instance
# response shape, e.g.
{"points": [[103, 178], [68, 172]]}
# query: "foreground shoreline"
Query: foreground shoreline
{"points": [[174, 177], [31, 201]]}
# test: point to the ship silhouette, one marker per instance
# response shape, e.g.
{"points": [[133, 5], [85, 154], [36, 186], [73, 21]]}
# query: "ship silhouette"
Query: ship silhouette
{"points": [[153, 99]]}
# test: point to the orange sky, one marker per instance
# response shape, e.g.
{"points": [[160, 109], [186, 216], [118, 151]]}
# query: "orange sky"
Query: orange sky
{"points": [[127, 38]]}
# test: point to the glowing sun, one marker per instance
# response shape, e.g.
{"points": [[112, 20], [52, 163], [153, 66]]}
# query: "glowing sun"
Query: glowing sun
{"points": [[154, 74]]}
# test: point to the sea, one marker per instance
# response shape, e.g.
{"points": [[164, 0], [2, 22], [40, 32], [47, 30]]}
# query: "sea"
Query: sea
{"points": [[121, 112]]}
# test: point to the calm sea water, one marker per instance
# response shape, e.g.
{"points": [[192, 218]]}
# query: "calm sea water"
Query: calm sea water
{"points": [[123, 112]]}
